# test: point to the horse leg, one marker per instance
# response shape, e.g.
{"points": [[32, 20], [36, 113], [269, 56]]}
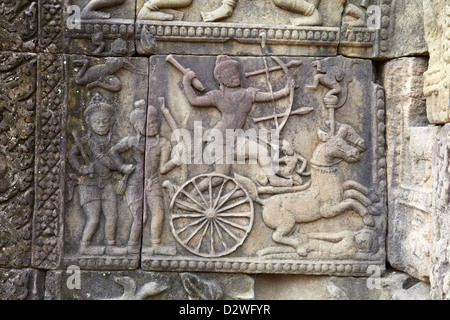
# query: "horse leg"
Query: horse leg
{"points": [[280, 235], [356, 195], [350, 184], [346, 205]]}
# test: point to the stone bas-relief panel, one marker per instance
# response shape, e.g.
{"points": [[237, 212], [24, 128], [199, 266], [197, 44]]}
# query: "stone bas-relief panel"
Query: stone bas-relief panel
{"points": [[299, 187], [17, 127], [238, 27], [103, 132], [141, 285], [85, 110]]}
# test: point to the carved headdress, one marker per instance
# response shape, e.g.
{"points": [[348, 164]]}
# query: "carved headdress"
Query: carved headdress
{"points": [[99, 104], [224, 62]]}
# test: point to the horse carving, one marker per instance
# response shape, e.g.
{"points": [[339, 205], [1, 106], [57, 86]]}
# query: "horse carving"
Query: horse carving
{"points": [[329, 195]]}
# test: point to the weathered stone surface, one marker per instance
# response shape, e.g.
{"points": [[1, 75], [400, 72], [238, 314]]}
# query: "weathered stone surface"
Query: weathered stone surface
{"points": [[393, 285], [383, 29], [141, 285], [409, 162], [437, 78], [22, 284], [246, 217], [281, 27], [104, 165], [18, 25], [440, 255], [17, 127]]}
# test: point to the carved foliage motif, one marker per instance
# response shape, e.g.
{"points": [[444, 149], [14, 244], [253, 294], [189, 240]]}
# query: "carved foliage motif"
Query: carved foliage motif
{"points": [[18, 25], [17, 127]]}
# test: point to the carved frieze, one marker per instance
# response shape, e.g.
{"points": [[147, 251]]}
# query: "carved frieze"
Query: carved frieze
{"points": [[141, 285], [296, 197], [282, 27]]}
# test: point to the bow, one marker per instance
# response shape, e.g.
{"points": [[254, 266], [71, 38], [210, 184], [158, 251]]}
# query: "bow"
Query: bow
{"points": [[291, 95]]}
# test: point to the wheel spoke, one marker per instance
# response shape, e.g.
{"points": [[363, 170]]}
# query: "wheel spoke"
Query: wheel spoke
{"points": [[213, 250], [199, 192], [233, 224], [227, 196], [230, 233], [195, 231], [187, 194], [235, 214], [187, 215], [202, 236], [200, 219], [187, 206], [220, 234], [219, 194], [233, 205], [210, 192]]}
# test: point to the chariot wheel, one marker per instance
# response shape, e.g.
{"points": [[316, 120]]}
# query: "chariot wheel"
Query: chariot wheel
{"points": [[211, 215]]}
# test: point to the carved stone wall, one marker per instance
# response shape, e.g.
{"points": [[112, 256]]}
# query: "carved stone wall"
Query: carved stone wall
{"points": [[205, 149]]}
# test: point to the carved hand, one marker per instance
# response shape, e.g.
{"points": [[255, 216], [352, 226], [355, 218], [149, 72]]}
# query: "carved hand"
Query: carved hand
{"points": [[87, 170], [127, 168], [179, 154], [189, 76]]}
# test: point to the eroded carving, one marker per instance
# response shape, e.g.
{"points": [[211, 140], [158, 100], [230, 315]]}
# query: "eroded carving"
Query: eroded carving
{"points": [[17, 125], [214, 214], [90, 159]]}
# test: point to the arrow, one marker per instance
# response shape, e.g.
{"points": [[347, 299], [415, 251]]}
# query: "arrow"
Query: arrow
{"points": [[293, 63], [301, 111]]}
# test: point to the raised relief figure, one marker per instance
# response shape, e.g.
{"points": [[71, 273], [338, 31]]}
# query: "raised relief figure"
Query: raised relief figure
{"points": [[235, 103], [308, 10], [91, 10], [159, 150], [151, 9], [90, 159]]}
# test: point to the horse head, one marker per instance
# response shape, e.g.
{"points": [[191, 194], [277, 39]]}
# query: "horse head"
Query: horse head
{"points": [[345, 145]]}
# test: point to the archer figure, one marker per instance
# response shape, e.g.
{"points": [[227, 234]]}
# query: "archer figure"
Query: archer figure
{"points": [[235, 103]]}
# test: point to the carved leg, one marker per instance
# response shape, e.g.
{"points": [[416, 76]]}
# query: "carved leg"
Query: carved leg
{"points": [[315, 84], [354, 194], [92, 211], [357, 13], [346, 205], [280, 235], [156, 209], [90, 10], [136, 227], [84, 63], [111, 83], [224, 11], [150, 10], [311, 16]]}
